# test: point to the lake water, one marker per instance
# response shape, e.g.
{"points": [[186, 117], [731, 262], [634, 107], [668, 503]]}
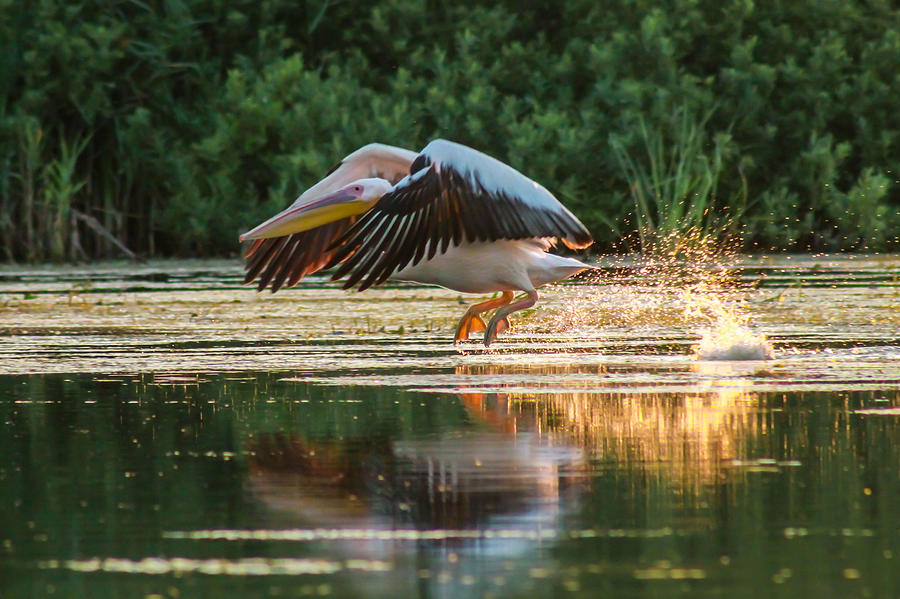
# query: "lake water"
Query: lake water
{"points": [[166, 432]]}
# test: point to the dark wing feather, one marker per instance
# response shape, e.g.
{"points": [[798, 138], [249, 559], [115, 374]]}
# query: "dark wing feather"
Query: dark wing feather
{"points": [[279, 260], [450, 201], [283, 261]]}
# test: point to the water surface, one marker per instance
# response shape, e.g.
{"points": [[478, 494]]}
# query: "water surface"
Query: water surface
{"points": [[166, 432]]}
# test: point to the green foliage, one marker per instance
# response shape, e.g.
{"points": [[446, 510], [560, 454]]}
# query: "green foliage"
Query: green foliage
{"points": [[174, 126], [59, 189]]}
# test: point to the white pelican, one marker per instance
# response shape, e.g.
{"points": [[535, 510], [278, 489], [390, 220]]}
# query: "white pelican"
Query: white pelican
{"points": [[448, 216]]}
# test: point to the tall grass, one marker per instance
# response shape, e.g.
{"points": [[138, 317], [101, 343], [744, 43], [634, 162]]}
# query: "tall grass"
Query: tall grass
{"points": [[28, 174], [673, 173], [60, 186], [48, 184]]}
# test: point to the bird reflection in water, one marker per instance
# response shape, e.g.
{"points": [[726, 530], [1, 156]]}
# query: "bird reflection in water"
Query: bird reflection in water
{"points": [[510, 483], [441, 512], [482, 479]]}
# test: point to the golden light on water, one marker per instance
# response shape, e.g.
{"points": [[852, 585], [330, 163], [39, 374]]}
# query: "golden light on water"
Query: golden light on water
{"points": [[688, 439], [730, 336]]}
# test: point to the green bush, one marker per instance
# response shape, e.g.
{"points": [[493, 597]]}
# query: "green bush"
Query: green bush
{"points": [[176, 125]]}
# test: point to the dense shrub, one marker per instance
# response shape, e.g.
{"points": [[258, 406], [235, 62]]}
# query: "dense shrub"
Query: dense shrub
{"points": [[170, 127]]}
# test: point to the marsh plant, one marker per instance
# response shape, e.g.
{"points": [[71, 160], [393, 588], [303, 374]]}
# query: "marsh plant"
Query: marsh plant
{"points": [[673, 174]]}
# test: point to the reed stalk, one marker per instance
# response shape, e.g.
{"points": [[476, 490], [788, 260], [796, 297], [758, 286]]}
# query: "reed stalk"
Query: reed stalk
{"points": [[60, 186], [7, 207], [30, 148], [673, 181]]}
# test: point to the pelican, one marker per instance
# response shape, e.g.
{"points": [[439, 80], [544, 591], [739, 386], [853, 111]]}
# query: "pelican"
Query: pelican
{"points": [[448, 216]]}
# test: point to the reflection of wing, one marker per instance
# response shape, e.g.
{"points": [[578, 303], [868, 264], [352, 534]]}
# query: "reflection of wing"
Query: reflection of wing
{"points": [[454, 193], [288, 259], [455, 481]]}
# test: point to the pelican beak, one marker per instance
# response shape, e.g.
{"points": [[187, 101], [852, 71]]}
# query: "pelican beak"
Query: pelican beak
{"points": [[309, 215]]}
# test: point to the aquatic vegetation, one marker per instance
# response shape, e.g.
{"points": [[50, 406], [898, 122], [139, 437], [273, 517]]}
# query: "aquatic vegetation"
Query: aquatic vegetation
{"points": [[673, 183]]}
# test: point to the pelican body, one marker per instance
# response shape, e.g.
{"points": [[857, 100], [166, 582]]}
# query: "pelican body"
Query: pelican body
{"points": [[448, 216]]}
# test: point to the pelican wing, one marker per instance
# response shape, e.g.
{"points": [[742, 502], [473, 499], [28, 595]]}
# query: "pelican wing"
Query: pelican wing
{"points": [[373, 160], [277, 261], [453, 194], [289, 258]]}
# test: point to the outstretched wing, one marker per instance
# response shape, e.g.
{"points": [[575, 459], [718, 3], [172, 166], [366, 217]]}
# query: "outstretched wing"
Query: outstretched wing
{"points": [[279, 261], [285, 260], [453, 194], [373, 160]]}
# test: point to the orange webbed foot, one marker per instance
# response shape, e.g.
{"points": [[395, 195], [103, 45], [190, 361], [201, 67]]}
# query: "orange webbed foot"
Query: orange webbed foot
{"points": [[468, 325]]}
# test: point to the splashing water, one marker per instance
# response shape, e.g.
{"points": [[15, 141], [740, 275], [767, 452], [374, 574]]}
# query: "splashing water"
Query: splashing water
{"points": [[731, 338], [693, 293]]}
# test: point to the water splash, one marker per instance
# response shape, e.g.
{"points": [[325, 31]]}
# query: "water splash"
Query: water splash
{"points": [[696, 290], [731, 340], [730, 336], [673, 299]]}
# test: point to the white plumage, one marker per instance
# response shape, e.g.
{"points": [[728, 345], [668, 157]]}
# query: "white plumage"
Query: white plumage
{"points": [[495, 176]]}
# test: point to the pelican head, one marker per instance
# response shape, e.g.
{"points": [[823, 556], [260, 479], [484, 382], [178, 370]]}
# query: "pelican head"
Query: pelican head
{"points": [[369, 190], [309, 213]]}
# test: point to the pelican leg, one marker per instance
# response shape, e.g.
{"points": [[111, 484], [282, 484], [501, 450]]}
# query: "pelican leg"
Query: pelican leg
{"points": [[500, 322], [471, 321]]}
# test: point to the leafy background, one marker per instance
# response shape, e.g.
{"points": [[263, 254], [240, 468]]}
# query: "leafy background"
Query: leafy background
{"points": [[169, 127]]}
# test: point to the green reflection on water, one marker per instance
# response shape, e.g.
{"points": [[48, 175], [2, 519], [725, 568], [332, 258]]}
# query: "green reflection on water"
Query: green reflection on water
{"points": [[221, 478]]}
